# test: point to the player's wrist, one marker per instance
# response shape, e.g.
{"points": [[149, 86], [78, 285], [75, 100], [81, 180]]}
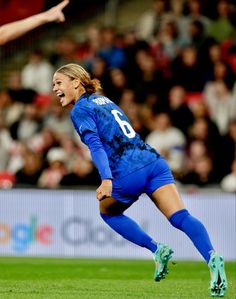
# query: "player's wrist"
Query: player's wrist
{"points": [[46, 17], [107, 183]]}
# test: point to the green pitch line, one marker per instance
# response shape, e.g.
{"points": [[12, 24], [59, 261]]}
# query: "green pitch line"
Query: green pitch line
{"points": [[44, 278]]}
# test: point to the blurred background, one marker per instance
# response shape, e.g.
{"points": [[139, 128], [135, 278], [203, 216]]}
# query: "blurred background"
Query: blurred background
{"points": [[170, 65]]}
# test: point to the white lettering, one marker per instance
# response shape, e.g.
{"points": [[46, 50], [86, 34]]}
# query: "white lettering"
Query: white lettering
{"points": [[102, 101]]}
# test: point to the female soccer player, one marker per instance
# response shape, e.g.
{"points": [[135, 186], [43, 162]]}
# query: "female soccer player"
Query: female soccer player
{"points": [[128, 167]]}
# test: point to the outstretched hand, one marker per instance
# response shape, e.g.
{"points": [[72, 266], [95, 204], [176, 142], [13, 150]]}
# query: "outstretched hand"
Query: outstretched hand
{"points": [[16, 29], [104, 190], [55, 13]]}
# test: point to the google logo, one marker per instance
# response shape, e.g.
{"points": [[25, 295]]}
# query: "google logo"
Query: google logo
{"points": [[22, 234]]}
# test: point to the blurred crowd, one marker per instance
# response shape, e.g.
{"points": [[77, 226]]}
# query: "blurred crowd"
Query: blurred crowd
{"points": [[174, 75]]}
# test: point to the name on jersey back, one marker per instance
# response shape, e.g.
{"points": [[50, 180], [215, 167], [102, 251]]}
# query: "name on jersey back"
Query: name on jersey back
{"points": [[102, 101]]}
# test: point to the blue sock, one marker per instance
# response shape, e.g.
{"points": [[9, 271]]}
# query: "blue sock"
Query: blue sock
{"points": [[130, 230], [195, 230]]}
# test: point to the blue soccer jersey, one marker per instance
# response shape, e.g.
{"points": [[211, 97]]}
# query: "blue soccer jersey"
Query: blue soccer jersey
{"points": [[125, 150]]}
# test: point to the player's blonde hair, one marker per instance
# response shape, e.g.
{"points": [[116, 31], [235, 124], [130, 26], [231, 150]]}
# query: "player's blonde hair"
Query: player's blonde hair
{"points": [[75, 71]]}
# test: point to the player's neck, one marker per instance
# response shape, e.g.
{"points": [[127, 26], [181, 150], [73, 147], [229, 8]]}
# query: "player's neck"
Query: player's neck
{"points": [[81, 91]]}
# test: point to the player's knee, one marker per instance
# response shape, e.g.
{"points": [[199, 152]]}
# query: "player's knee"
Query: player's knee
{"points": [[103, 210], [105, 206], [178, 217], [112, 207]]}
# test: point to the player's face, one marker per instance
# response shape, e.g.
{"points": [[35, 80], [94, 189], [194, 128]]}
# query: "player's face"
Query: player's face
{"points": [[64, 88]]}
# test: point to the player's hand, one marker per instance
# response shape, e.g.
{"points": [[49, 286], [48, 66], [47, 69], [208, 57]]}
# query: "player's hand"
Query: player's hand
{"points": [[104, 190], [55, 14]]}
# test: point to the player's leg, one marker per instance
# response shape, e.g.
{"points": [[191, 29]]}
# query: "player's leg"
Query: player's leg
{"points": [[126, 191], [163, 192], [111, 211], [169, 202]]}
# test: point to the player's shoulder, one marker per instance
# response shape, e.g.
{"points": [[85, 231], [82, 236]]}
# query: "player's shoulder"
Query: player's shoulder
{"points": [[89, 103], [93, 100]]}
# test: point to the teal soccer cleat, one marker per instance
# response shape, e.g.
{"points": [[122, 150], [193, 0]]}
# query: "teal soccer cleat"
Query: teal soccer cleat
{"points": [[161, 258], [218, 284]]}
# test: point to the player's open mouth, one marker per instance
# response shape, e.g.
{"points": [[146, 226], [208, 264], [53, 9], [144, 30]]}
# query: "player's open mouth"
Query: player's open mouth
{"points": [[61, 95]]}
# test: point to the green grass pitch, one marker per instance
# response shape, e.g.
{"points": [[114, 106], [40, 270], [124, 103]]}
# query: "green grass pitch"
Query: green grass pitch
{"points": [[52, 278]]}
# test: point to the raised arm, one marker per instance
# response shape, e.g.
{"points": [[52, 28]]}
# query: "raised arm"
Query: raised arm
{"points": [[16, 29]]}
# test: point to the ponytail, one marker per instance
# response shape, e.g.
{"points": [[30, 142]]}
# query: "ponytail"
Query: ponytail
{"points": [[93, 86]]}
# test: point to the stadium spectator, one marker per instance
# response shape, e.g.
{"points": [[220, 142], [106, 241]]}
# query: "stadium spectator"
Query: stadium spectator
{"points": [[228, 148], [202, 174], [43, 141], [149, 79], [200, 112], [168, 141], [99, 70], [73, 149], [167, 44], [132, 44], [221, 104], [57, 120], [28, 125], [10, 110], [222, 28], [52, 175], [195, 150], [16, 153], [176, 15], [222, 71], [200, 40], [31, 169], [118, 82], [212, 57], [194, 13], [65, 50], [151, 20], [228, 183], [82, 173], [205, 130], [88, 48], [113, 54], [180, 113], [37, 73], [15, 89], [150, 107], [186, 70]]}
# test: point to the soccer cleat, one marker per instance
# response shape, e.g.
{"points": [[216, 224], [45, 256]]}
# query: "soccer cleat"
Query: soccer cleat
{"points": [[161, 257], [218, 284]]}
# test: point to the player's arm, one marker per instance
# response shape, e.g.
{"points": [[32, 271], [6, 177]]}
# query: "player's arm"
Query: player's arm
{"points": [[16, 29], [100, 159]]}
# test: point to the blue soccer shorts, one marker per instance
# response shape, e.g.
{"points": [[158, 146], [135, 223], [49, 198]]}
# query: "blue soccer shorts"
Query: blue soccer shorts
{"points": [[145, 180]]}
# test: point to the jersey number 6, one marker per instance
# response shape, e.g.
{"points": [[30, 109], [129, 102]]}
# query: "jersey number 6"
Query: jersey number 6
{"points": [[125, 126]]}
